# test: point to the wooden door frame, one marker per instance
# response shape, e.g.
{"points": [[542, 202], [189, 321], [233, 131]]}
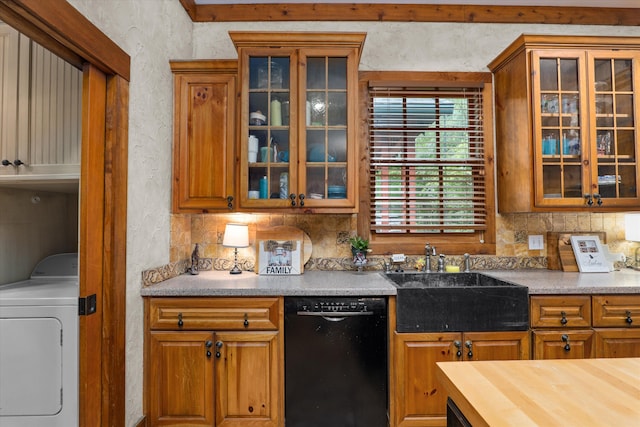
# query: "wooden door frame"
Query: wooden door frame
{"points": [[59, 27]]}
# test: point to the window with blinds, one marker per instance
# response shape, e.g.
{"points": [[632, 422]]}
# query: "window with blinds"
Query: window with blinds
{"points": [[427, 164]]}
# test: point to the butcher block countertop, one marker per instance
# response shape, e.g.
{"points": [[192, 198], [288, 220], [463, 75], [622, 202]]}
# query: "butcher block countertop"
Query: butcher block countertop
{"points": [[579, 392]]}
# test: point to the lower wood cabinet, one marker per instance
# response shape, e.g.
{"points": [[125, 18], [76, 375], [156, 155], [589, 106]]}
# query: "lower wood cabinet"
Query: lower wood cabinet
{"points": [[584, 326], [563, 344], [420, 400], [180, 379], [616, 342], [232, 377]]}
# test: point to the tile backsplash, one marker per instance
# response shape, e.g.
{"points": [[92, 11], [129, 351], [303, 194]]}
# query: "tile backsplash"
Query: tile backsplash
{"points": [[329, 235]]}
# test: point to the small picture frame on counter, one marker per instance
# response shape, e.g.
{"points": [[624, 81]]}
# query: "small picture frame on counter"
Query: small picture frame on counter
{"points": [[279, 254], [589, 254]]}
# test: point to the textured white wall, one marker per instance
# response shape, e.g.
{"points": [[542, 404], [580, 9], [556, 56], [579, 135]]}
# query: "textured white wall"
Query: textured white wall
{"points": [[405, 46], [154, 31]]}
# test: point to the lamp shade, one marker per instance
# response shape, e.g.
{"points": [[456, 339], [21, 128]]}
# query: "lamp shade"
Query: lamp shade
{"points": [[632, 227], [236, 236]]}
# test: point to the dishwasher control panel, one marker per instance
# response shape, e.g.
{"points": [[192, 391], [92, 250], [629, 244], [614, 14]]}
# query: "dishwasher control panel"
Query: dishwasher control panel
{"points": [[338, 304]]}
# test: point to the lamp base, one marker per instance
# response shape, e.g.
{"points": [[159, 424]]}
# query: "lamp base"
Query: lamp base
{"points": [[235, 269]]}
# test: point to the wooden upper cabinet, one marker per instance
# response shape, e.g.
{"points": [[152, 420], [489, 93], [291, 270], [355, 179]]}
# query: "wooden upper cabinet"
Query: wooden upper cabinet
{"points": [[204, 135], [567, 113], [297, 140]]}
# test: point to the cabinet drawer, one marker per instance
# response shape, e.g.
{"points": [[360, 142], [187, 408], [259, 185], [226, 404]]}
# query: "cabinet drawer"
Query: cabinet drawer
{"points": [[563, 344], [568, 311], [214, 313], [616, 310]]}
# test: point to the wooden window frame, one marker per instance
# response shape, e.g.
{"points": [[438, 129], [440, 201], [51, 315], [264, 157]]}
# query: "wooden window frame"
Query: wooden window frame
{"points": [[480, 242]]}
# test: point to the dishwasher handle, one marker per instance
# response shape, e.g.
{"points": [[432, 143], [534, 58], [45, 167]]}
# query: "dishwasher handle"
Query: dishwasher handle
{"points": [[332, 316]]}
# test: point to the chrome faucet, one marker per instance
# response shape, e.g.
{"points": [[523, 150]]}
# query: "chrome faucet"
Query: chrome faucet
{"points": [[428, 251], [467, 263], [441, 263]]}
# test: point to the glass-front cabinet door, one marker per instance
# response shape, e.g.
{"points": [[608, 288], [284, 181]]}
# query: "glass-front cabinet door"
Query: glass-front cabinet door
{"points": [[327, 153], [585, 136], [297, 143], [266, 151], [614, 126]]}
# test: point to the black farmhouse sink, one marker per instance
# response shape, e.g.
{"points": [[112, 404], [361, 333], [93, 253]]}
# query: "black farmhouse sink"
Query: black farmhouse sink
{"points": [[463, 302]]}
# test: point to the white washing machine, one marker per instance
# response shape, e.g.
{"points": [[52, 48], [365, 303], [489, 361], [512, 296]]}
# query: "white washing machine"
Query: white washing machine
{"points": [[39, 346]]}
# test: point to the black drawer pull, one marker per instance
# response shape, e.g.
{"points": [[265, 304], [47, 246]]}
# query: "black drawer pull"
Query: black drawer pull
{"points": [[565, 339]]}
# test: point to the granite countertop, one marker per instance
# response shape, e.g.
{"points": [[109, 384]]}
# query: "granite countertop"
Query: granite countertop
{"points": [[373, 283], [540, 281], [314, 282]]}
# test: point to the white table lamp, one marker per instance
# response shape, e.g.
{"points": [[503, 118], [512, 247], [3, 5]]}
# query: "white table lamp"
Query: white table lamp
{"points": [[236, 236], [632, 233]]}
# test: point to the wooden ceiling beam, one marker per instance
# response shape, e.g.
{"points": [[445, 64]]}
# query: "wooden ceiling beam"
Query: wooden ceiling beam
{"points": [[412, 13]]}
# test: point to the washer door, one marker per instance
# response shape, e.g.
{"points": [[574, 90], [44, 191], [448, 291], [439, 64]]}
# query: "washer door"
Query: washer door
{"points": [[30, 366]]}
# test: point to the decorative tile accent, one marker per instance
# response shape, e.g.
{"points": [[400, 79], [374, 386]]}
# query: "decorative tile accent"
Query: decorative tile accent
{"points": [[521, 236], [171, 270]]}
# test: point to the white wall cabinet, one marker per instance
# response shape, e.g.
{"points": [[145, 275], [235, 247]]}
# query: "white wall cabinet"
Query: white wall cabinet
{"points": [[40, 112]]}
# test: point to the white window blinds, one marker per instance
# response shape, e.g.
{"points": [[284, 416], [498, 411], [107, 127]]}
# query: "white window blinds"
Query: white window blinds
{"points": [[427, 165]]}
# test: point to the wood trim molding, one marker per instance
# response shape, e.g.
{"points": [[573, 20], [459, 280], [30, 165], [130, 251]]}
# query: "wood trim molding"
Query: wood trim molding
{"points": [[114, 292], [206, 66], [411, 13], [91, 240], [87, 44]]}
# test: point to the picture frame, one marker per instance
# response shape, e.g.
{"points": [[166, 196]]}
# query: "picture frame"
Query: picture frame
{"points": [[589, 254], [279, 254]]}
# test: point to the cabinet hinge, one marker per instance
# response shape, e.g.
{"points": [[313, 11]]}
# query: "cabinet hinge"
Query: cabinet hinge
{"points": [[87, 305]]}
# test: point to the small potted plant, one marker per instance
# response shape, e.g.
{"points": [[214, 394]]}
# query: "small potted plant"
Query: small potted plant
{"points": [[359, 249]]}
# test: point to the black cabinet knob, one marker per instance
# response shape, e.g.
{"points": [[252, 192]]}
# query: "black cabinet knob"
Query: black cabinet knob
{"points": [[564, 320], [301, 197], [565, 339], [180, 322], [629, 320], [598, 199]]}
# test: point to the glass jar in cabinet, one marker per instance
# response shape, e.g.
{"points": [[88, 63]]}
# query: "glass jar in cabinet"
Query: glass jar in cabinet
{"points": [[298, 105]]}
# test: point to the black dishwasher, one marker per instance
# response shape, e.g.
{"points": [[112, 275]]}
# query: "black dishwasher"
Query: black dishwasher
{"points": [[336, 362]]}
